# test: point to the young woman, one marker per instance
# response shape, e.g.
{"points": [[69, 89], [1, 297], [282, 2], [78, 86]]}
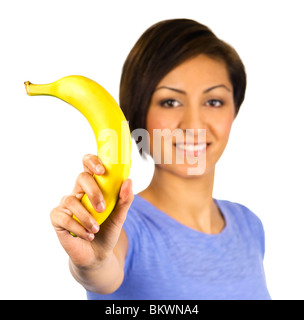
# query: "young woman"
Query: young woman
{"points": [[173, 240]]}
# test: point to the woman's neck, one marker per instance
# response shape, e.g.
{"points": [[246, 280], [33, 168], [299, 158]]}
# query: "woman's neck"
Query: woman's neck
{"points": [[188, 200]]}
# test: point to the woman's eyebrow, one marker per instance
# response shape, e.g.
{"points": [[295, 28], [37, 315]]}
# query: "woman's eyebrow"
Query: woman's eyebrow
{"points": [[173, 89], [215, 87], [206, 91]]}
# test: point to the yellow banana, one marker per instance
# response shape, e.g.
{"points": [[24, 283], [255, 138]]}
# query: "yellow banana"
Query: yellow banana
{"points": [[110, 127]]}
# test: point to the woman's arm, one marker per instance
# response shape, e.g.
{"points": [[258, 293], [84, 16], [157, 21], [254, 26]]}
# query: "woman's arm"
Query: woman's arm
{"points": [[97, 254]]}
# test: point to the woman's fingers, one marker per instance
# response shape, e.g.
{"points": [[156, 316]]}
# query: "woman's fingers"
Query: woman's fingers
{"points": [[87, 227], [63, 223], [70, 204], [87, 184], [92, 164]]}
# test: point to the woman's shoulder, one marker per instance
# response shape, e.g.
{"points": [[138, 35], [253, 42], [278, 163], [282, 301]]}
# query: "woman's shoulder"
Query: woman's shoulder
{"points": [[243, 220], [238, 211]]}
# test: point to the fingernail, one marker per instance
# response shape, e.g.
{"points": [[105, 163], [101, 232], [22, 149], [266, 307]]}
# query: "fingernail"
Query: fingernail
{"points": [[95, 227], [101, 206], [99, 168], [91, 236]]}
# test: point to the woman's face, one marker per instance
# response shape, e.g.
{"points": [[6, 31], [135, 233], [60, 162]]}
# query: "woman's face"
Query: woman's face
{"points": [[195, 95]]}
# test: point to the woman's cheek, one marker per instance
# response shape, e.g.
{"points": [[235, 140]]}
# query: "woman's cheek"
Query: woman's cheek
{"points": [[153, 122], [158, 119], [223, 128], [226, 128], [157, 122]]}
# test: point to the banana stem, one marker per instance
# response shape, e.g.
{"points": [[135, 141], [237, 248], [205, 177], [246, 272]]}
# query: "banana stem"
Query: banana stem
{"points": [[38, 89]]}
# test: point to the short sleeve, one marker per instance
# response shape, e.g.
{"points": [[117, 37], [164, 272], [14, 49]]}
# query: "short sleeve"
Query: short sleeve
{"points": [[257, 229], [260, 235]]}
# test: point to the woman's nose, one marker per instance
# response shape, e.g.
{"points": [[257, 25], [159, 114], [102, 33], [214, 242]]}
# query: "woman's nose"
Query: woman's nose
{"points": [[192, 118]]}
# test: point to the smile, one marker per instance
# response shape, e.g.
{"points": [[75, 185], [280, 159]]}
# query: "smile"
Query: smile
{"points": [[192, 148]]}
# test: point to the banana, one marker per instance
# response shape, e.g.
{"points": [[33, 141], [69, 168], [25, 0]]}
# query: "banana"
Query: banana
{"points": [[110, 128]]}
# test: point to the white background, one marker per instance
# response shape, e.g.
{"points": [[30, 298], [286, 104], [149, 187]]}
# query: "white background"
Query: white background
{"points": [[43, 139]]}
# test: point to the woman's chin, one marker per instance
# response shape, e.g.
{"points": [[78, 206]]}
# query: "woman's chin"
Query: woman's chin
{"points": [[185, 171]]}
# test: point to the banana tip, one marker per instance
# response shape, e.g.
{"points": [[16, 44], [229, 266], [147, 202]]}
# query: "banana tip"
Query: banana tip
{"points": [[26, 84]]}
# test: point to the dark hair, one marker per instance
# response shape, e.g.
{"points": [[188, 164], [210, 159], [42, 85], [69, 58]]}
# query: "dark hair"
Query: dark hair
{"points": [[160, 49]]}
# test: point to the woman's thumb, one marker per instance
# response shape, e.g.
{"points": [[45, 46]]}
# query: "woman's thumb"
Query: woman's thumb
{"points": [[126, 196]]}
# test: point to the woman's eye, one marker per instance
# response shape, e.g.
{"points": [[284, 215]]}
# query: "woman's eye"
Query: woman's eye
{"points": [[215, 103], [169, 103]]}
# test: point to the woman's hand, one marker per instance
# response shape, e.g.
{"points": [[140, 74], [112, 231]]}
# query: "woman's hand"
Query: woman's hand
{"points": [[94, 243]]}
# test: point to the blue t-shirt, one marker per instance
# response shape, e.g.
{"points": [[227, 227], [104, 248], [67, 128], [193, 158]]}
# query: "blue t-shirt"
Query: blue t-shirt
{"points": [[168, 260]]}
